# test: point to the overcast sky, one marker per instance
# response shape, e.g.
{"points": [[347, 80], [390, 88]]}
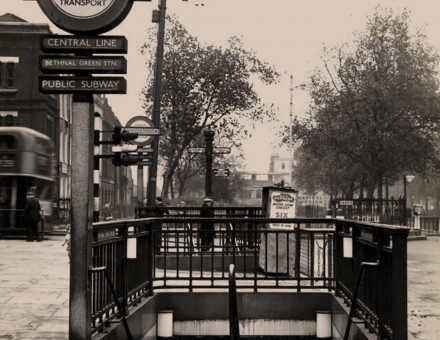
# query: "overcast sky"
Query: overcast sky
{"points": [[289, 34]]}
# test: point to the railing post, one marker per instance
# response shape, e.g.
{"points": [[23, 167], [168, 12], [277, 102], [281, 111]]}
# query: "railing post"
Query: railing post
{"points": [[298, 256], [382, 287], [336, 251], [152, 254], [399, 297], [312, 256], [123, 277]]}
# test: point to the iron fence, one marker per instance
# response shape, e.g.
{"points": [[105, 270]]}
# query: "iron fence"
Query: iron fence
{"points": [[263, 258], [428, 225], [132, 278], [382, 299], [387, 211], [195, 211], [171, 255]]}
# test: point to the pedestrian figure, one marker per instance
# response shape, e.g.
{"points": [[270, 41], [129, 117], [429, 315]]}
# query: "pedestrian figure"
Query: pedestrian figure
{"points": [[160, 207], [32, 217], [107, 212], [66, 241], [207, 228]]}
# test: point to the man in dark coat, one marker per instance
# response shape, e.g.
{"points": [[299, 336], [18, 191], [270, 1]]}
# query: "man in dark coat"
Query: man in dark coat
{"points": [[32, 217], [207, 228]]}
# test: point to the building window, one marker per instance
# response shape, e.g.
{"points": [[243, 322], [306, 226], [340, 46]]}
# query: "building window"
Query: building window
{"points": [[8, 118], [50, 127], [8, 72], [283, 166]]}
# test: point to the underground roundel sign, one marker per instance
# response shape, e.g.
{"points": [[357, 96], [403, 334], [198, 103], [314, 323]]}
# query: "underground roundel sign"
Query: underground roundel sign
{"points": [[86, 16]]}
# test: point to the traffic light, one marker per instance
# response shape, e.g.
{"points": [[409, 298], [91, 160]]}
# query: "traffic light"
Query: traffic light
{"points": [[124, 160], [122, 136]]}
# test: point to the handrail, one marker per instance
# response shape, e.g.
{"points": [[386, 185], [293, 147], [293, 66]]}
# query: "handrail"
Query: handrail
{"points": [[234, 330], [355, 295], [121, 308]]}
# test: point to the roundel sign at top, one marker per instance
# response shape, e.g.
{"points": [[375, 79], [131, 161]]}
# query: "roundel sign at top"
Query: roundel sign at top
{"points": [[144, 127], [86, 16]]}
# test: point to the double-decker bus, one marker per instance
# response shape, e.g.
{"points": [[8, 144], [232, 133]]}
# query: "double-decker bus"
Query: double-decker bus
{"points": [[26, 164]]}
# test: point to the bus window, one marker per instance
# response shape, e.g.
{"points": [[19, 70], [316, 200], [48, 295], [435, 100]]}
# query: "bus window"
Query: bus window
{"points": [[7, 142]]}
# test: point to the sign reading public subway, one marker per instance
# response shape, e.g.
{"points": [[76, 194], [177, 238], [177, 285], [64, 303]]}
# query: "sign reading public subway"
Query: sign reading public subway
{"points": [[60, 85], [86, 16]]}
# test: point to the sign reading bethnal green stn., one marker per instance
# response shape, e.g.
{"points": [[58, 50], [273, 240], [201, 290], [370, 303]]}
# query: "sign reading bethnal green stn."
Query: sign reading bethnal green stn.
{"points": [[86, 16]]}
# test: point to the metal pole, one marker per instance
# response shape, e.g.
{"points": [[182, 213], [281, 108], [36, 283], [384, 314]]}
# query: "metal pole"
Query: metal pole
{"points": [[152, 173], [140, 184], [82, 217], [209, 137], [290, 132], [97, 165], [405, 217]]}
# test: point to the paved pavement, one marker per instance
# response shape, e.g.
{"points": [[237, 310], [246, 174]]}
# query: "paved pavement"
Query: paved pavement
{"points": [[34, 289], [424, 289]]}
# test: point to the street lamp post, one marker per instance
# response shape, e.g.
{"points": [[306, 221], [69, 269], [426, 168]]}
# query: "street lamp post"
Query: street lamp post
{"points": [[152, 174], [301, 86], [209, 137], [406, 179]]}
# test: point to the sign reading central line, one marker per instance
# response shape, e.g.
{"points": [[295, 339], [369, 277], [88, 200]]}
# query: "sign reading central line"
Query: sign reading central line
{"points": [[112, 85], [69, 43]]}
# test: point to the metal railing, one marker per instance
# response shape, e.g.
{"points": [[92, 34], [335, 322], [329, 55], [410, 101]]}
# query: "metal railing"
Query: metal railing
{"points": [[195, 211], [172, 254], [382, 298], [389, 211], [428, 225], [263, 258], [132, 278]]}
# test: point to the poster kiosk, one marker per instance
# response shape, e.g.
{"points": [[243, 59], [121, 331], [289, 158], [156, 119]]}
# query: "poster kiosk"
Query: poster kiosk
{"points": [[278, 203]]}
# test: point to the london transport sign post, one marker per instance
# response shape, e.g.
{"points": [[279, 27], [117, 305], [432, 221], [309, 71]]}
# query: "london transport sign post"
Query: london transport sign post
{"points": [[86, 19], [144, 127], [83, 64]]}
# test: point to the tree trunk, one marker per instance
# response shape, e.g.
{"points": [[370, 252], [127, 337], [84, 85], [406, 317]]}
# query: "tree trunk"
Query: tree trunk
{"points": [[361, 188], [172, 189], [387, 188], [380, 186], [181, 187], [371, 186]]}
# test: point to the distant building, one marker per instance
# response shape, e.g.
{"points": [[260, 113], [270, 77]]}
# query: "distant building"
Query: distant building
{"points": [[116, 185], [23, 105], [280, 169], [279, 172]]}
